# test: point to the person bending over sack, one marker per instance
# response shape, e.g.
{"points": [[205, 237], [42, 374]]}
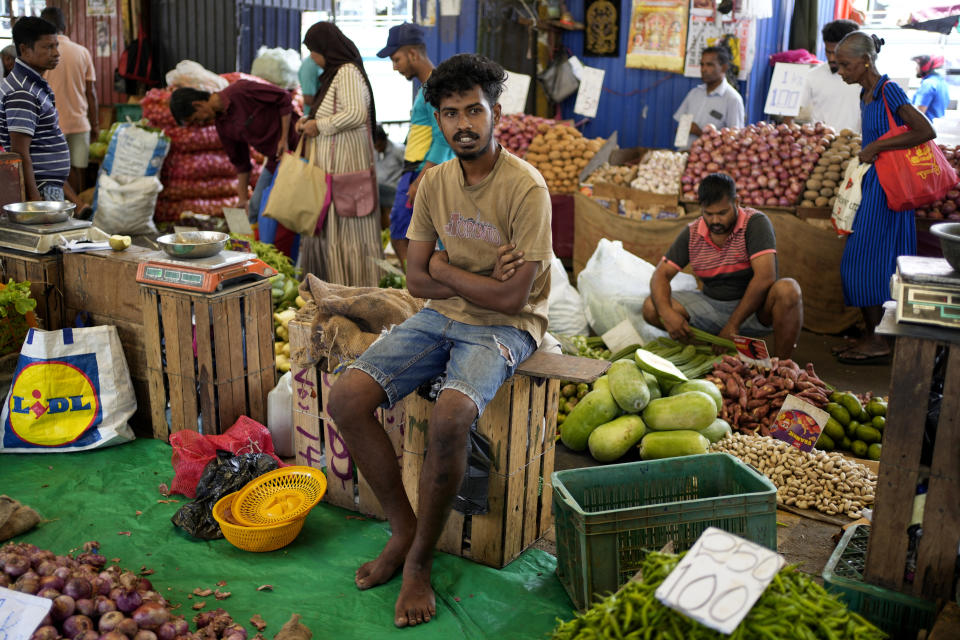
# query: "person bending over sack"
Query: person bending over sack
{"points": [[733, 251], [486, 313]]}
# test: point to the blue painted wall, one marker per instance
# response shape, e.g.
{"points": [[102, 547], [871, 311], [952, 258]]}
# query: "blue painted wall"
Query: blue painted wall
{"points": [[454, 35]]}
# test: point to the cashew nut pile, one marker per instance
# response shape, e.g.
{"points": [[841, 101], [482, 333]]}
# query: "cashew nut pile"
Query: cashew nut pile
{"points": [[821, 480]]}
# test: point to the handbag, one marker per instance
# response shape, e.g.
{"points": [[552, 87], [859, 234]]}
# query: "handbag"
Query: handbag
{"points": [[849, 195], [558, 80], [354, 193], [913, 177], [300, 192]]}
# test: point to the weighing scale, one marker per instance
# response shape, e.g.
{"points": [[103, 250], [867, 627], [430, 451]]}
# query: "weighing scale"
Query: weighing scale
{"points": [[927, 291], [42, 238], [204, 275]]}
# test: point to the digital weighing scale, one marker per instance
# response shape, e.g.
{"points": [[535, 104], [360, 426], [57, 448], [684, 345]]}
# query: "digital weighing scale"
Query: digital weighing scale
{"points": [[43, 238], [927, 291], [204, 275]]}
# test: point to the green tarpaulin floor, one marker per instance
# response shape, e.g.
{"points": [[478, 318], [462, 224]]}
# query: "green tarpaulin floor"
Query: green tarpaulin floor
{"points": [[96, 495]]}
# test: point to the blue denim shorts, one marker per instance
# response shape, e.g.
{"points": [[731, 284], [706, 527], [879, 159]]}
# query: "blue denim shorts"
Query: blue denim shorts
{"points": [[400, 214], [711, 315], [477, 359]]}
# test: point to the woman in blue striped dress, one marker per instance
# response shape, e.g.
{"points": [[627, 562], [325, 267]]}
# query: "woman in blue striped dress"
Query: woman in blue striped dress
{"points": [[879, 233]]}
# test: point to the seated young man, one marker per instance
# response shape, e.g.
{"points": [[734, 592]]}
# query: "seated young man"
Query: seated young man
{"points": [[486, 312], [733, 251]]}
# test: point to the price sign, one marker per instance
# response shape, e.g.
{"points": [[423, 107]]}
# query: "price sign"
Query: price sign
{"points": [[588, 95], [753, 351], [799, 423], [21, 614], [515, 90], [682, 141], [786, 87], [719, 580]]}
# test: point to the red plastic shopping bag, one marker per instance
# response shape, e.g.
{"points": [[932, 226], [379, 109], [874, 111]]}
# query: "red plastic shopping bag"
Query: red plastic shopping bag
{"points": [[192, 451], [914, 177]]}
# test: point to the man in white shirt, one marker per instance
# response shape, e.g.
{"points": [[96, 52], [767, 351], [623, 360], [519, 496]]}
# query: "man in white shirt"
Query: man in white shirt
{"points": [[826, 97], [715, 101]]}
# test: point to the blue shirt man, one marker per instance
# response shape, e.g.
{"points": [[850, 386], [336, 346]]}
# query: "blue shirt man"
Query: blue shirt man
{"points": [[933, 96]]}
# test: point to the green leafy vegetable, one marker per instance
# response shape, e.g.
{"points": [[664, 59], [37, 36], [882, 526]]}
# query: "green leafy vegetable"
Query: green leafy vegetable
{"points": [[17, 296]]}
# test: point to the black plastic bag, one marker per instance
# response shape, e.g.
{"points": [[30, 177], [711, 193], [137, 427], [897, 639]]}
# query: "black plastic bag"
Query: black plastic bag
{"points": [[558, 80], [223, 475], [471, 499]]}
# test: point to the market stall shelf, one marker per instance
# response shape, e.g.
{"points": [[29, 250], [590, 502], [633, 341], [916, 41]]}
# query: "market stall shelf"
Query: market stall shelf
{"points": [[209, 356], [45, 274], [918, 349]]}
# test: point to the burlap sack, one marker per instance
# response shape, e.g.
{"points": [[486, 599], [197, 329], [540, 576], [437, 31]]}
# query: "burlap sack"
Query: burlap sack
{"points": [[346, 320]]}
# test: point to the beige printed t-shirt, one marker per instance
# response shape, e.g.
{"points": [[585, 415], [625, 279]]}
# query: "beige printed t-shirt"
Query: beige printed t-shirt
{"points": [[510, 205]]}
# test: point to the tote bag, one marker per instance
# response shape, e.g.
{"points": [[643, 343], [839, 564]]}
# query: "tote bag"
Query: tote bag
{"points": [[914, 177], [300, 193], [71, 392], [848, 199]]}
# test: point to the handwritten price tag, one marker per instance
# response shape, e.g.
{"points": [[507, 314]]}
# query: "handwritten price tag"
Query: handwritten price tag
{"points": [[786, 86], [719, 580], [20, 614]]}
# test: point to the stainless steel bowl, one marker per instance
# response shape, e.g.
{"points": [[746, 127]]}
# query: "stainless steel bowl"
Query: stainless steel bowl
{"points": [[193, 244], [39, 211], [949, 234]]}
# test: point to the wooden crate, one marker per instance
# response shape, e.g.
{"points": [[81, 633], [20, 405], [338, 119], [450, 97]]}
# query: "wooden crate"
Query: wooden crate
{"points": [[101, 288], [901, 470], [229, 372], [45, 274], [520, 423]]}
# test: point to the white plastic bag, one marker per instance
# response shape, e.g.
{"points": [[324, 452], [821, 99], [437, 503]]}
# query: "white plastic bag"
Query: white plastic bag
{"points": [[565, 308], [125, 204], [849, 194], [71, 392], [279, 66], [280, 416], [614, 285], [191, 74]]}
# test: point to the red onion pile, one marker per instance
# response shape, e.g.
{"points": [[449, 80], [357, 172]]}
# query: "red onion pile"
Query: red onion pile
{"points": [[949, 207], [517, 130], [770, 163]]}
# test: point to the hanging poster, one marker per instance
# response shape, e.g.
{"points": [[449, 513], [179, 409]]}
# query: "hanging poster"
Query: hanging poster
{"points": [[602, 28], [103, 38], [704, 32], [101, 7], [658, 33]]}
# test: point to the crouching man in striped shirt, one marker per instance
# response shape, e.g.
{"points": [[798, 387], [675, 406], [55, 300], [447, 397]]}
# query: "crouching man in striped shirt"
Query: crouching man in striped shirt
{"points": [[28, 116], [733, 251]]}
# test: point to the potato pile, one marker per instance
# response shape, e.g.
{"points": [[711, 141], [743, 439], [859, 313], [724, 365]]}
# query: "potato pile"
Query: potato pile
{"points": [[560, 153], [821, 187], [620, 175]]}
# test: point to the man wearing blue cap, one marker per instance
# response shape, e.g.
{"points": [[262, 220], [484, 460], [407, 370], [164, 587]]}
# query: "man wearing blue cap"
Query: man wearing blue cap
{"points": [[426, 146]]}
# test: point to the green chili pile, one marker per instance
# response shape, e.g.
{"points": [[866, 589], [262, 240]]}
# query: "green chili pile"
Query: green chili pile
{"points": [[793, 606]]}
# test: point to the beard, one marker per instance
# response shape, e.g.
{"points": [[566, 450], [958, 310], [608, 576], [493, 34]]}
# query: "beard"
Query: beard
{"points": [[477, 151], [720, 229]]}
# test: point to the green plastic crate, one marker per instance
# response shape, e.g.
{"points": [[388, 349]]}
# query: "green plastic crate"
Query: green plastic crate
{"points": [[609, 517], [131, 112], [899, 614]]}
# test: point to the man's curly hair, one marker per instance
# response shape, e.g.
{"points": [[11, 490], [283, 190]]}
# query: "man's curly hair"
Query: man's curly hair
{"points": [[461, 73]]}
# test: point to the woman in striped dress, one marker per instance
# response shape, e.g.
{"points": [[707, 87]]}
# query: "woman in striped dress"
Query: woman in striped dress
{"points": [[879, 233], [342, 119]]}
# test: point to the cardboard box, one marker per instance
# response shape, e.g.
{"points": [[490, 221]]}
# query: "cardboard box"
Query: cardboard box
{"points": [[606, 190]]}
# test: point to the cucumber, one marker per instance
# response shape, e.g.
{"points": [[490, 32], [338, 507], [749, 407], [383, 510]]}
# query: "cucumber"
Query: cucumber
{"points": [[653, 385], [612, 440], [700, 385], [628, 386], [671, 444], [596, 408], [692, 410], [718, 430], [660, 367]]}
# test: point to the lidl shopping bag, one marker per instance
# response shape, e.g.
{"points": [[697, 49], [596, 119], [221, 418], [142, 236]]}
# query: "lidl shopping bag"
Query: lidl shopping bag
{"points": [[71, 392]]}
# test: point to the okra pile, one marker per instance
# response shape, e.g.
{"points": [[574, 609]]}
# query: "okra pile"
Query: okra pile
{"points": [[793, 606]]}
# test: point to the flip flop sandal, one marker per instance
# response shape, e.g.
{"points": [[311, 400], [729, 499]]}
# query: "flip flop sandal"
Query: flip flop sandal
{"points": [[858, 358], [848, 343]]}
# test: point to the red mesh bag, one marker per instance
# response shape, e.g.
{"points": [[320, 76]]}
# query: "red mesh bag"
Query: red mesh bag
{"points": [[192, 451]]}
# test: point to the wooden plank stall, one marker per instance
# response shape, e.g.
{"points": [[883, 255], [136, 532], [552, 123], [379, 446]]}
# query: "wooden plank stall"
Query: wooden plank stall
{"points": [[229, 372], [45, 274], [101, 288], [918, 348], [520, 424]]}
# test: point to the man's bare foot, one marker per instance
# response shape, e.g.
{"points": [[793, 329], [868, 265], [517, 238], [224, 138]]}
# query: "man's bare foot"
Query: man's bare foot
{"points": [[416, 603], [384, 566]]}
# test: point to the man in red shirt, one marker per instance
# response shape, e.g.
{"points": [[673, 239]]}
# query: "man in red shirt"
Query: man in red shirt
{"points": [[732, 250]]}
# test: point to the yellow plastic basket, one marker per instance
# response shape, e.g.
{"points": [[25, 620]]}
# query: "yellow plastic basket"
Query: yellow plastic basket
{"points": [[279, 496], [258, 539]]}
